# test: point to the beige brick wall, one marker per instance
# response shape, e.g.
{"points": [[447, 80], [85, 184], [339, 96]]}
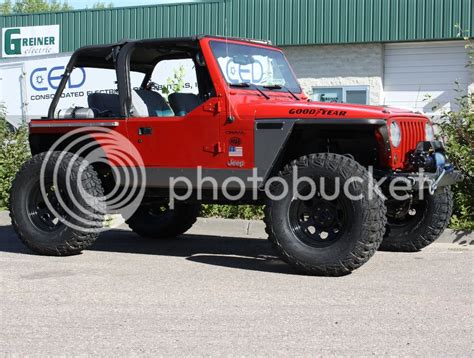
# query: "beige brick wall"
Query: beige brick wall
{"points": [[339, 65]]}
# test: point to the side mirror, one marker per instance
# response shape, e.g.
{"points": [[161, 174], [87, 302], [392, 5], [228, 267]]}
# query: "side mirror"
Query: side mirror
{"points": [[200, 59]]}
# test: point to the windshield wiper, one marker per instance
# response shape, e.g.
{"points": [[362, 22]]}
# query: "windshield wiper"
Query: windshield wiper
{"points": [[249, 85], [270, 87]]}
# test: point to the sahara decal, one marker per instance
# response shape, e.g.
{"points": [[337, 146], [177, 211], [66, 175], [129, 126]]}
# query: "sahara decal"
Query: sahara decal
{"points": [[235, 132], [318, 111]]}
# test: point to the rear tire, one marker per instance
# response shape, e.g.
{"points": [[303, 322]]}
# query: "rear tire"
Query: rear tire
{"points": [[414, 232], [36, 225], [326, 237], [160, 222]]}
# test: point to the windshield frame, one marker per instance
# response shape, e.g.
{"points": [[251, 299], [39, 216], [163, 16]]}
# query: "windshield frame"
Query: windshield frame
{"points": [[283, 89]]}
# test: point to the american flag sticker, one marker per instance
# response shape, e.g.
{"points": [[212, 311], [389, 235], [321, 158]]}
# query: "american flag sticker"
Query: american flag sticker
{"points": [[236, 151]]}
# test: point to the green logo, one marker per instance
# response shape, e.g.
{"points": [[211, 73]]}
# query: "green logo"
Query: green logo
{"points": [[29, 41], [12, 46]]}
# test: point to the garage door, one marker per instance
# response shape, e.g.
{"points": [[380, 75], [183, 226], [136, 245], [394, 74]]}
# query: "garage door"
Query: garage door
{"points": [[414, 71]]}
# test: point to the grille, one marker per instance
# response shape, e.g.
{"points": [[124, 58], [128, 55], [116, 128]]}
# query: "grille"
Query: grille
{"points": [[413, 131]]}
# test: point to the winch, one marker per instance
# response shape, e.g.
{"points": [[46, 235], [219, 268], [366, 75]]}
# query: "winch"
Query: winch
{"points": [[429, 157]]}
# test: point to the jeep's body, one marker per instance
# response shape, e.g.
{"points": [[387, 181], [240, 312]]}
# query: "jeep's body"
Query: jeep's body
{"points": [[236, 126], [242, 139]]}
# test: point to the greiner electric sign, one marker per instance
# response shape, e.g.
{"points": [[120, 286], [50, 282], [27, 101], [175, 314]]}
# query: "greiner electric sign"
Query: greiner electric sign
{"points": [[30, 41]]}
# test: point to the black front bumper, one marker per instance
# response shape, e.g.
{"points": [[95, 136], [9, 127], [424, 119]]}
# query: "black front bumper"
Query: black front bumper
{"points": [[429, 168], [430, 181]]}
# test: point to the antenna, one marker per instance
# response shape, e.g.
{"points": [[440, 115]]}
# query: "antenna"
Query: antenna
{"points": [[226, 39], [417, 98]]}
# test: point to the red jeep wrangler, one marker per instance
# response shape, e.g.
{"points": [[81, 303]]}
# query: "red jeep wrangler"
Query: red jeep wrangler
{"points": [[338, 181]]}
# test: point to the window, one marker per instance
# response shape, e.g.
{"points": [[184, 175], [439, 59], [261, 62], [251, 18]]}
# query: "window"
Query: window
{"points": [[257, 65], [171, 90], [347, 94], [82, 83], [175, 76], [327, 94], [89, 88]]}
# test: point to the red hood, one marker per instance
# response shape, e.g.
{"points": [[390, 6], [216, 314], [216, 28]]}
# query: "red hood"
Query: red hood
{"points": [[304, 109]]}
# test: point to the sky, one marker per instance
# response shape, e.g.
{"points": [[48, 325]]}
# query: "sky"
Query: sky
{"points": [[81, 4]]}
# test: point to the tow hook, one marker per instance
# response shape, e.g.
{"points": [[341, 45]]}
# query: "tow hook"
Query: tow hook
{"points": [[434, 184]]}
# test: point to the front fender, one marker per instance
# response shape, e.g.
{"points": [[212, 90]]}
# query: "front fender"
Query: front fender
{"points": [[272, 135]]}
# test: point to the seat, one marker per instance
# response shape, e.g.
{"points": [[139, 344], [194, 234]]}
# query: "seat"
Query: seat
{"points": [[183, 103], [149, 104], [104, 104]]}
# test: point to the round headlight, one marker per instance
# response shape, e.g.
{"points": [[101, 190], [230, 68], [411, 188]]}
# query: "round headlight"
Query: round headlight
{"points": [[395, 134], [429, 132]]}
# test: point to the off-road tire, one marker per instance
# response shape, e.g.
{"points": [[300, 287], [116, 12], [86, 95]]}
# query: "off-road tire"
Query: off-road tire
{"points": [[63, 240], [416, 235], [168, 224], [367, 219]]}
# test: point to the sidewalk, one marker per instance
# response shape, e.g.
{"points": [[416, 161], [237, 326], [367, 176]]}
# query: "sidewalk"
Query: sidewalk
{"points": [[256, 229]]}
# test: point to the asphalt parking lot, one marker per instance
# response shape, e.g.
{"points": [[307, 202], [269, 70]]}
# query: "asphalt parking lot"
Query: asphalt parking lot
{"points": [[207, 295]]}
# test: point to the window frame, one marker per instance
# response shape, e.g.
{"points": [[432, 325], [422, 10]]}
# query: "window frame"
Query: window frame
{"points": [[261, 88], [344, 90], [195, 70]]}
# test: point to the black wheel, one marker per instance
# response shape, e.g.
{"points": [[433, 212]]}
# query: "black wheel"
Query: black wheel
{"points": [[412, 226], [160, 222], [65, 218], [321, 235]]}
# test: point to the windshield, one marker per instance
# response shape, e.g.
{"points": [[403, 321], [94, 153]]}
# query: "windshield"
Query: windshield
{"points": [[259, 66]]}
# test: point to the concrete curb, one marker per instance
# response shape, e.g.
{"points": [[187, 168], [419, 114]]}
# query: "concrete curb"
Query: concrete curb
{"points": [[229, 227], [4, 218], [256, 229]]}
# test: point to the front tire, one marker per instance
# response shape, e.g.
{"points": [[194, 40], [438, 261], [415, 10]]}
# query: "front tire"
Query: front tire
{"points": [[326, 237], [62, 228], [161, 222], [421, 225]]}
